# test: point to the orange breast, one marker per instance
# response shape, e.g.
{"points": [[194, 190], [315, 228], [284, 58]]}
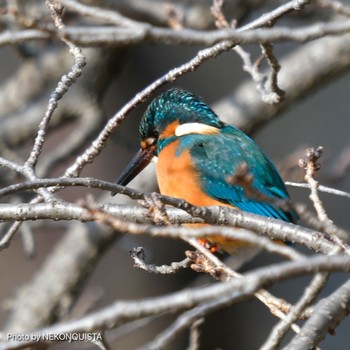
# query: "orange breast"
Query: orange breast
{"points": [[177, 178]]}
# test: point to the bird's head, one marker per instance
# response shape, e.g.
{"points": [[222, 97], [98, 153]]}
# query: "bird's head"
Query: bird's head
{"points": [[173, 114]]}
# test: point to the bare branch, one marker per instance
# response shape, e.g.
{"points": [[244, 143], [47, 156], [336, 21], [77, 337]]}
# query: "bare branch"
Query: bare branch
{"points": [[11, 165], [13, 38], [63, 86], [275, 95], [138, 255], [314, 222], [311, 164], [212, 297], [121, 36], [194, 343], [275, 229], [283, 326], [277, 307], [320, 188], [319, 324], [28, 240]]}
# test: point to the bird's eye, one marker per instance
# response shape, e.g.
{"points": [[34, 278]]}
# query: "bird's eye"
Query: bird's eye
{"points": [[152, 140]]}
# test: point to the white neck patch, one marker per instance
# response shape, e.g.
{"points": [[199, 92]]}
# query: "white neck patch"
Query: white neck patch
{"points": [[195, 128]]}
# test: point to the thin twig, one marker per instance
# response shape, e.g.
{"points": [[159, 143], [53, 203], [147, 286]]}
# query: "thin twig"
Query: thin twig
{"points": [[11, 165], [194, 343], [314, 288], [274, 93], [267, 87], [138, 255], [7, 238], [311, 164], [62, 87], [320, 188], [97, 36], [28, 240], [185, 320], [314, 222], [327, 315], [277, 306]]}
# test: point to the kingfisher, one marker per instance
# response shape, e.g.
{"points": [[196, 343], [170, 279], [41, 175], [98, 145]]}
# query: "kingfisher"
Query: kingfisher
{"points": [[198, 155]]}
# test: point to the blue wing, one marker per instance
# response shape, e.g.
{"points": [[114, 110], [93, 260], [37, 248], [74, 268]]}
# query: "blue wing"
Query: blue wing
{"points": [[217, 156]]}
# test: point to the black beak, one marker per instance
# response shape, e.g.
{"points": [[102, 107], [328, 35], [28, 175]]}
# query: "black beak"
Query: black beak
{"points": [[141, 159]]}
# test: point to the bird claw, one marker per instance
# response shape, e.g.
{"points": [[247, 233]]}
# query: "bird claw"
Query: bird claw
{"points": [[212, 247]]}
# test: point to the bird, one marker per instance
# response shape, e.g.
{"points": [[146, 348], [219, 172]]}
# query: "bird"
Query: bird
{"points": [[198, 158]]}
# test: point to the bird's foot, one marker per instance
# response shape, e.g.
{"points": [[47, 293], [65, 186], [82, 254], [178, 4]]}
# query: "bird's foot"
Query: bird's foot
{"points": [[212, 247]]}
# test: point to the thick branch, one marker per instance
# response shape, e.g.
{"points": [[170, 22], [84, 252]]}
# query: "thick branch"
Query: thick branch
{"points": [[275, 229], [327, 314]]}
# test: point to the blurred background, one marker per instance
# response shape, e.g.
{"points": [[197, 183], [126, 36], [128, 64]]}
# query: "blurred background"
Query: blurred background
{"points": [[113, 75]]}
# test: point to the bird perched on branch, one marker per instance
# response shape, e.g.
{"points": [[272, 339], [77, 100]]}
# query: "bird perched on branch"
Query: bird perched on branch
{"points": [[205, 161]]}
